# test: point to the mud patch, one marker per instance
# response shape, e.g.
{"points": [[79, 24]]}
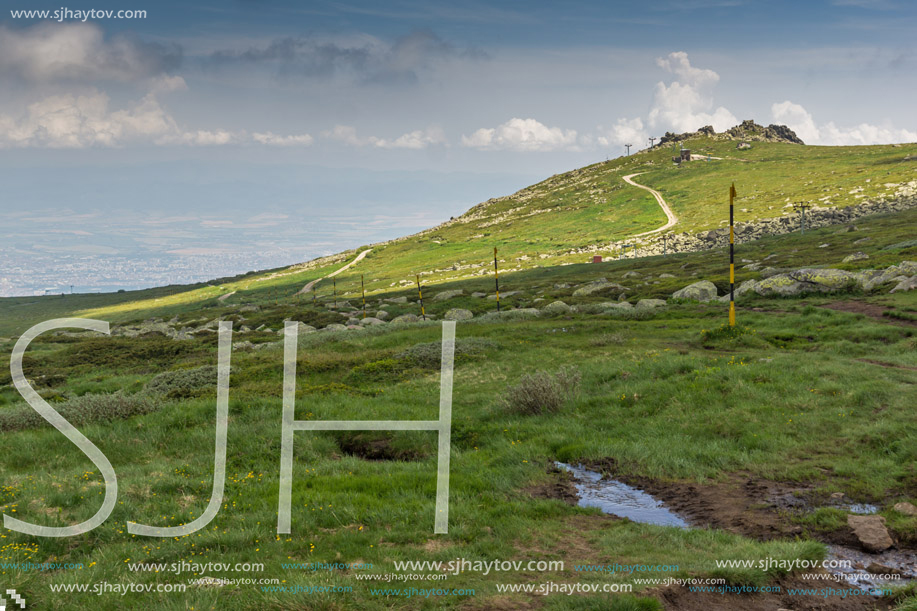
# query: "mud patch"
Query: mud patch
{"points": [[561, 486], [871, 310], [741, 504], [676, 597]]}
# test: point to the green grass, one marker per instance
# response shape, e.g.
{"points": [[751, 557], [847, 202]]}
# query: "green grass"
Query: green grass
{"points": [[798, 393]]}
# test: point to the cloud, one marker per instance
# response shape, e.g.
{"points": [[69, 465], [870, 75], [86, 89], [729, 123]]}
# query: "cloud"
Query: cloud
{"points": [[79, 52], [797, 118], [366, 59], [80, 121], [273, 139], [418, 139], [522, 135], [624, 131], [684, 104]]}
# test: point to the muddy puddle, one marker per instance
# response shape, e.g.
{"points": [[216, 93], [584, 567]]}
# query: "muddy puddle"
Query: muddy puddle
{"points": [[619, 499], [871, 571], [851, 567]]}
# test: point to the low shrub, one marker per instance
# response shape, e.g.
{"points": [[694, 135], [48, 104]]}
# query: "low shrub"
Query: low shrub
{"points": [[184, 383], [542, 392], [81, 410], [429, 355]]}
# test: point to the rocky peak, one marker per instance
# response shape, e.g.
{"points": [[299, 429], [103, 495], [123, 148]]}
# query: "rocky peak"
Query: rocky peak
{"points": [[747, 130]]}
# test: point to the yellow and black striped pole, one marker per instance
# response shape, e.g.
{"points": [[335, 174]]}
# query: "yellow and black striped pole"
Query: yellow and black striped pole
{"points": [[363, 291], [420, 294], [732, 265], [497, 278]]}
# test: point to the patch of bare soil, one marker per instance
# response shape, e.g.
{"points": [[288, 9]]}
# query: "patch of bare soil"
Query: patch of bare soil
{"points": [[872, 310], [678, 597], [560, 486], [742, 504]]}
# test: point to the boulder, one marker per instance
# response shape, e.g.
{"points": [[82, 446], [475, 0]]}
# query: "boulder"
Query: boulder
{"points": [[857, 256], [870, 531], [633, 275], [599, 286], [405, 318], [905, 508], [479, 294], [458, 314], [557, 307], [448, 295], [699, 291], [807, 281], [503, 294], [335, 327], [649, 304], [906, 285], [371, 320], [397, 300], [616, 306], [382, 315]]}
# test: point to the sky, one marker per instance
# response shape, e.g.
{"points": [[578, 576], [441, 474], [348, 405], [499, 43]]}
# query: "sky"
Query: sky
{"points": [[242, 134]]}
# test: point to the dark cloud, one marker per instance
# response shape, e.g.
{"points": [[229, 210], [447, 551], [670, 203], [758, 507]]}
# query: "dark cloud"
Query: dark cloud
{"points": [[403, 61]]}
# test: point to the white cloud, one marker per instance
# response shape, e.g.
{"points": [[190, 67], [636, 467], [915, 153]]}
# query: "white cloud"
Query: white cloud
{"points": [[625, 131], [418, 139], [273, 139], [79, 52], [801, 121], [79, 121], [685, 104], [522, 135]]}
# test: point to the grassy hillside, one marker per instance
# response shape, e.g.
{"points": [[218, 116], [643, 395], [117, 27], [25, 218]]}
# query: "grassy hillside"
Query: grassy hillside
{"points": [[803, 400], [536, 226]]}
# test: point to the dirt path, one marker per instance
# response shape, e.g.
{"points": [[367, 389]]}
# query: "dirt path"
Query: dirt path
{"points": [[359, 258], [665, 207]]}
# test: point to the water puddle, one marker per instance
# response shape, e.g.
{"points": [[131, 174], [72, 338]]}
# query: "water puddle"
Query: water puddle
{"points": [[871, 572], [619, 499]]}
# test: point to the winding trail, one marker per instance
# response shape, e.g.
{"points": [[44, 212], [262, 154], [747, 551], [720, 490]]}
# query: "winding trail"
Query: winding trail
{"points": [[309, 286], [665, 207]]}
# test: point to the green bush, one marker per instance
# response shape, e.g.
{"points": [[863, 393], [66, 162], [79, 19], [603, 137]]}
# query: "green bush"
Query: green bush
{"points": [[81, 410], [542, 392], [429, 355], [185, 383]]}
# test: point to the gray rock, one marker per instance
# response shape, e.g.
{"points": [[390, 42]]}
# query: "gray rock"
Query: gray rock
{"points": [[405, 318], [862, 241], [666, 276], [870, 531], [632, 274], [649, 304], [397, 300], [518, 313], [905, 508], [699, 291], [557, 307], [479, 294], [502, 295], [458, 314], [448, 295], [561, 285], [857, 256], [371, 320], [905, 285], [599, 286], [382, 315], [617, 306], [353, 321], [334, 327]]}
